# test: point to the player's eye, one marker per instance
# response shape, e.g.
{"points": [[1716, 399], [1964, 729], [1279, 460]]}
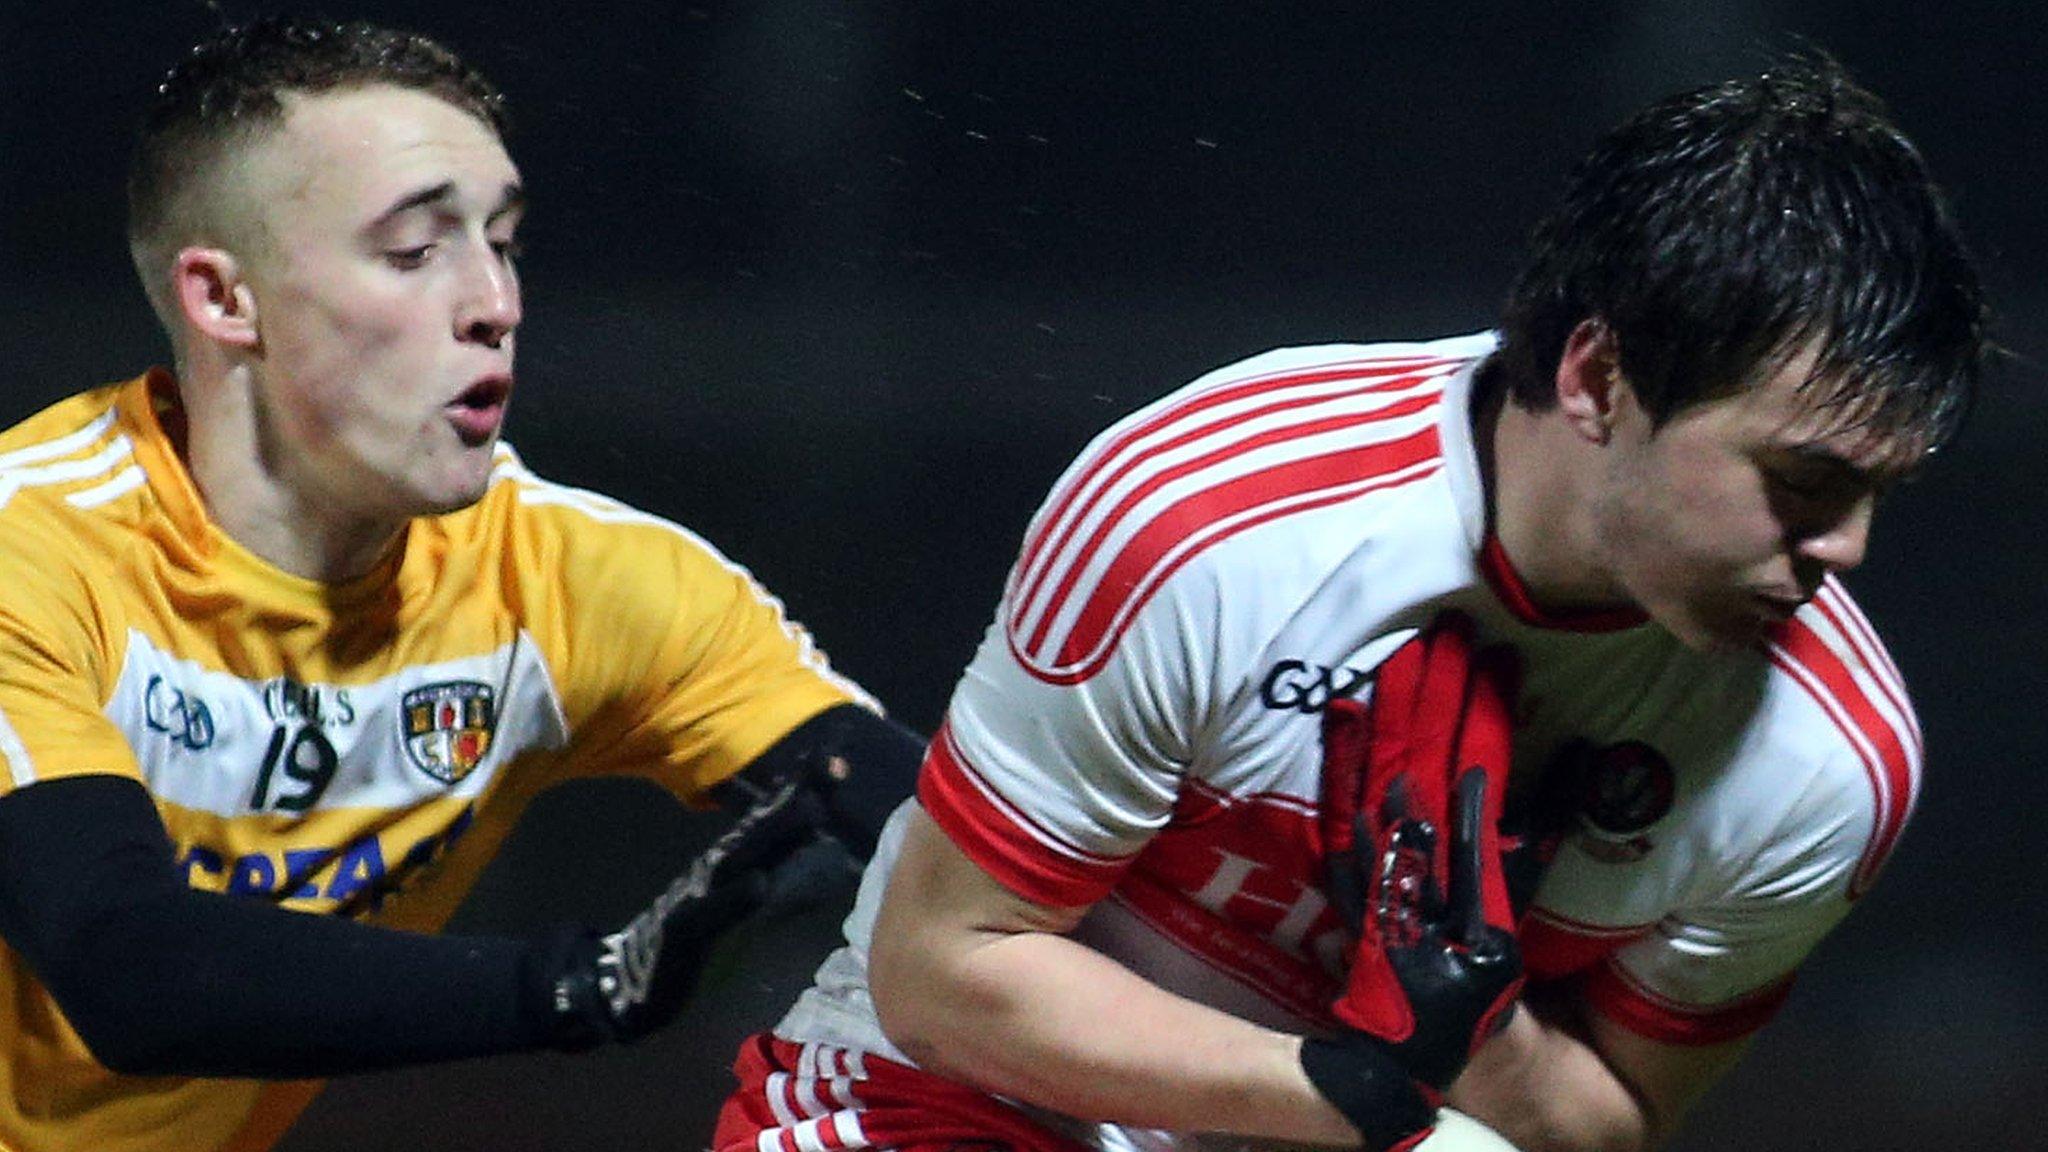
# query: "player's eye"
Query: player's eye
{"points": [[1795, 483], [408, 258]]}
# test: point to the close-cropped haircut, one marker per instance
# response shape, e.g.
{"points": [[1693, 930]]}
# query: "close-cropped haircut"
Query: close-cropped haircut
{"points": [[1719, 233], [231, 88]]}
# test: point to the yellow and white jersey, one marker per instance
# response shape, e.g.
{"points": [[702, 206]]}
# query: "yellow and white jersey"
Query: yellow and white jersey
{"points": [[357, 749]]}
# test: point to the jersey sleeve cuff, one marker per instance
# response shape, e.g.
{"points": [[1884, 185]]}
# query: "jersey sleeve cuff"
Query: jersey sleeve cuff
{"points": [[1555, 947], [1617, 995], [1023, 855]]}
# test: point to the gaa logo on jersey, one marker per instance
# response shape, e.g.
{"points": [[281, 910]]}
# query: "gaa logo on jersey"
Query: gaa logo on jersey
{"points": [[1629, 787], [448, 727]]}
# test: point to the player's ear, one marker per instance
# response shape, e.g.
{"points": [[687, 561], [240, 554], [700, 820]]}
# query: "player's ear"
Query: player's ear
{"points": [[1589, 381], [213, 296]]}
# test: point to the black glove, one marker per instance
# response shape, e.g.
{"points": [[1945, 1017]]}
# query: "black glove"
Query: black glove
{"points": [[586, 989], [1372, 1090]]}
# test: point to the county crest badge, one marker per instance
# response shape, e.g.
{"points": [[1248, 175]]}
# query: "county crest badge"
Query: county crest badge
{"points": [[448, 727], [1629, 789]]}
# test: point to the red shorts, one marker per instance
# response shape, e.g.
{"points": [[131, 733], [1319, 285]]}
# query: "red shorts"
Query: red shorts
{"points": [[816, 1098]]}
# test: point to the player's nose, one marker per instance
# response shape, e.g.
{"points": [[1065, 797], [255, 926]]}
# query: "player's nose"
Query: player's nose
{"points": [[489, 307], [1841, 545]]}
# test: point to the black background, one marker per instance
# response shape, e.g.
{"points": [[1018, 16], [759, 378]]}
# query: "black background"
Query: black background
{"points": [[843, 285]]}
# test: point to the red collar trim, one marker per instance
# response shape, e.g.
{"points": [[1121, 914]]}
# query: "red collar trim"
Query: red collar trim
{"points": [[1507, 585]]}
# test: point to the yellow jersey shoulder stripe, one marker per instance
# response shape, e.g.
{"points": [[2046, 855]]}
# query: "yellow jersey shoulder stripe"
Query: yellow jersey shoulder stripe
{"points": [[64, 445], [535, 491], [109, 472], [19, 766], [125, 481]]}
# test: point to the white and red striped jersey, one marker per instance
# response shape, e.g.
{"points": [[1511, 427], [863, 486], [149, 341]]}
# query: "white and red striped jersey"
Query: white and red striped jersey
{"points": [[1140, 729]]}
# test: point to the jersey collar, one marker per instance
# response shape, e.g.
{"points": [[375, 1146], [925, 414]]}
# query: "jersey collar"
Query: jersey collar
{"points": [[1508, 587]]}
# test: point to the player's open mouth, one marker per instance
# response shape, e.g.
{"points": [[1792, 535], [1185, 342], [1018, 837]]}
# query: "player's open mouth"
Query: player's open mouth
{"points": [[480, 410]]}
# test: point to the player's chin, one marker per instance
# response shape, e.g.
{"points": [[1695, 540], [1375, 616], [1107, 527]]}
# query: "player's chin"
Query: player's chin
{"points": [[1723, 632], [1719, 628], [455, 488]]}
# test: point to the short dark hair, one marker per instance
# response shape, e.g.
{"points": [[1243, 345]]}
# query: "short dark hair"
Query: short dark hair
{"points": [[1727, 229], [231, 85]]}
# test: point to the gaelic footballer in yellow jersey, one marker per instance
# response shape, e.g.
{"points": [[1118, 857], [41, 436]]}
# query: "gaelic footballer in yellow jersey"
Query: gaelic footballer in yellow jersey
{"points": [[288, 640]]}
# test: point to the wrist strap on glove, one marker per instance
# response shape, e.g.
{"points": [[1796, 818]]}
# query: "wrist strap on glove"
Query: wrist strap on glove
{"points": [[564, 1001], [1363, 1081]]}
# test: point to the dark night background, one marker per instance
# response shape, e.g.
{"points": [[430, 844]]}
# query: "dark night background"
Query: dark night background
{"points": [[842, 285]]}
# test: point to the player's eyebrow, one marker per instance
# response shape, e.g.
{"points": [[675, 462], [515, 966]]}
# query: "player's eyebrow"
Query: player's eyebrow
{"points": [[1878, 476], [510, 199], [432, 194]]}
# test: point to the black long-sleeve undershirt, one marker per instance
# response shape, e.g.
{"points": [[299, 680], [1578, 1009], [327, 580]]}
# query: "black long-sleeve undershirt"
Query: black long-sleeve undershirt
{"points": [[162, 979], [159, 978]]}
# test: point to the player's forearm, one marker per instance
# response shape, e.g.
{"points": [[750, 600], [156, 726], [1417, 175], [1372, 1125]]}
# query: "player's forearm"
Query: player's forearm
{"points": [[159, 979], [1043, 1019], [1542, 1085], [164, 990], [976, 984]]}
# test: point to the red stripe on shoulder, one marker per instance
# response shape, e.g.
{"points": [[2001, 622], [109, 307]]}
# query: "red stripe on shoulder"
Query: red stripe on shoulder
{"points": [[1835, 605], [1097, 554], [1191, 526], [1891, 757], [1117, 458], [1186, 421], [1024, 856], [1613, 993]]}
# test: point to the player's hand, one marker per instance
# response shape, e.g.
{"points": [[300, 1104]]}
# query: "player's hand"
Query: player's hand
{"points": [[625, 984], [1412, 794], [1364, 1081]]}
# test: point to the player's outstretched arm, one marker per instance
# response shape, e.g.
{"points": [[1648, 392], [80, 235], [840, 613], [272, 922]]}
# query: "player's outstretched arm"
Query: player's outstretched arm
{"points": [[980, 985], [1559, 1080], [160, 979]]}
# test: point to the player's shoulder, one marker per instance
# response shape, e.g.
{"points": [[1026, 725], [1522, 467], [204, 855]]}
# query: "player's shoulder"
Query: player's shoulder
{"points": [[67, 478], [1829, 657], [60, 428], [1241, 488], [1281, 405], [575, 530], [58, 467], [1836, 702], [1350, 375]]}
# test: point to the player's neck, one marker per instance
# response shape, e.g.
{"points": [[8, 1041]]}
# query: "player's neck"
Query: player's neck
{"points": [[295, 534], [1539, 505], [271, 506]]}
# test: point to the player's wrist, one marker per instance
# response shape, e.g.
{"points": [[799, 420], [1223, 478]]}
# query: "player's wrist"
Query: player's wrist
{"points": [[1362, 1080], [562, 995]]}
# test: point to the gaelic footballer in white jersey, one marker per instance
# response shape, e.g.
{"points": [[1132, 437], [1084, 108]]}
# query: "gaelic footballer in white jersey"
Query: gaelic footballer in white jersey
{"points": [[1139, 730]]}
